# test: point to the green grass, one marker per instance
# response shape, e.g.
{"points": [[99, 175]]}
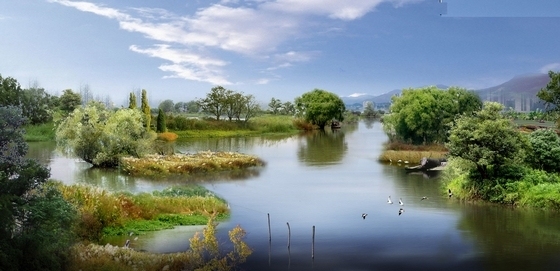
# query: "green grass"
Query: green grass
{"points": [[208, 128], [41, 132], [161, 222]]}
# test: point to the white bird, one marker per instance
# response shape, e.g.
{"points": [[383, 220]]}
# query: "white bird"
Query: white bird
{"points": [[401, 203], [450, 193], [424, 197], [127, 243], [401, 210], [364, 215], [389, 200]]}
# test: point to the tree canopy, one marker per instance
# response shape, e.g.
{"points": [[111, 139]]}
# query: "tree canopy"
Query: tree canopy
{"points": [[100, 136], [320, 107], [220, 101], [424, 115], [35, 222], [488, 141], [69, 100]]}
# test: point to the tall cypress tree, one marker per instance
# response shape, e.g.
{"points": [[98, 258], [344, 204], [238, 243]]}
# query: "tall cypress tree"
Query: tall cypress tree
{"points": [[160, 125], [132, 101], [146, 110]]}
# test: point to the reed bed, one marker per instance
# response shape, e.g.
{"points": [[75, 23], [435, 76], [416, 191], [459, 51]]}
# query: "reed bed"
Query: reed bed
{"points": [[207, 161]]}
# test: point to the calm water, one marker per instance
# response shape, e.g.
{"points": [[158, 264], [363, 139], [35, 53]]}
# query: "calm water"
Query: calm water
{"points": [[328, 180]]}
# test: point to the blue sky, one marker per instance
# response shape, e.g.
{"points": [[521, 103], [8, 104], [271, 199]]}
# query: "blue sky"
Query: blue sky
{"points": [[179, 49]]}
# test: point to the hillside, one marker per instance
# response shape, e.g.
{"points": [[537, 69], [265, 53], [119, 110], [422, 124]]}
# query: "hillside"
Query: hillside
{"points": [[519, 93]]}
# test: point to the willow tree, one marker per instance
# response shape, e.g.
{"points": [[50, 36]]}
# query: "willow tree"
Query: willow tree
{"points": [[145, 108], [320, 107]]}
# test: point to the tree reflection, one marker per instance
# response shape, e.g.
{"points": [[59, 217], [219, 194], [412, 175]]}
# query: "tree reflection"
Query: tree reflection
{"points": [[369, 122], [114, 180], [321, 148], [514, 239]]}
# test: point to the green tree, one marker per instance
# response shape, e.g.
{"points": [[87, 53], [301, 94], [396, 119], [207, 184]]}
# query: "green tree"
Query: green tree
{"points": [[215, 101], [275, 105], [234, 105], [369, 111], [167, 106], [35, 105], [145, 108], [250, 108], [545, 150], [422, 116], [132, 101], [320, 107], [35, 222], [100, 136], [10, 92], [488, 142], [69, 100], [160, 125], [181, 107], [551, 93], [288, 108], [192, 107]]}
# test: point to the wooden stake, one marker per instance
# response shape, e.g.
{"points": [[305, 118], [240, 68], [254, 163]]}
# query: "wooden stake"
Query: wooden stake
{"points": [[313, 244], [289, 234]]}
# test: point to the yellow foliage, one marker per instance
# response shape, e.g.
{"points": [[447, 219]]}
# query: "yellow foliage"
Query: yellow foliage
{"points": [[167, 136]]}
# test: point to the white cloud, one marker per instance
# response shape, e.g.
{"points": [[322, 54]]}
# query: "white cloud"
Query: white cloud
{"points": [[550, 67], [254, 28], [357, 94], [193, 73], [186, 64]]}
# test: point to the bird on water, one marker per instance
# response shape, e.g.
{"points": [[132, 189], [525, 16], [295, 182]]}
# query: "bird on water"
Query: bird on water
{"points": [[450, 193], [401, 203], [423, 198], [401, 210], [389, 200], [364, 215]]}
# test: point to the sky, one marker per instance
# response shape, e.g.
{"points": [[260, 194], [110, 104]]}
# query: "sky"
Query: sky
{"points": [[280, 49]]}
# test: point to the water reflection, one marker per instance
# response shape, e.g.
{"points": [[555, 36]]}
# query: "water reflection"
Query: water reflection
{"points": [[513, 239], [322, 148]]}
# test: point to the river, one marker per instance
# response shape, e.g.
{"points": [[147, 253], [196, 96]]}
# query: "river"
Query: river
{"points": [[326, 181]]}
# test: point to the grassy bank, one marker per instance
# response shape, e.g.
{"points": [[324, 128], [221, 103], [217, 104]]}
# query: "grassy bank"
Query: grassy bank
{"points": [[534, 189], [209, 128], [103, 212], [41, 132]]}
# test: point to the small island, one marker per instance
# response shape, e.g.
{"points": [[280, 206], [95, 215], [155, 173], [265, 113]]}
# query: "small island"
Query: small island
{"points": [[206, 161]]}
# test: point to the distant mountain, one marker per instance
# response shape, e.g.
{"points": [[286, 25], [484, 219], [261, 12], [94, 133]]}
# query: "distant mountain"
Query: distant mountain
{"points": [[519, 93]]}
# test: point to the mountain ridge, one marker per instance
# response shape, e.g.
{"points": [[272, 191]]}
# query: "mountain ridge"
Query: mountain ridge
{"points": [[519, 93]]}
